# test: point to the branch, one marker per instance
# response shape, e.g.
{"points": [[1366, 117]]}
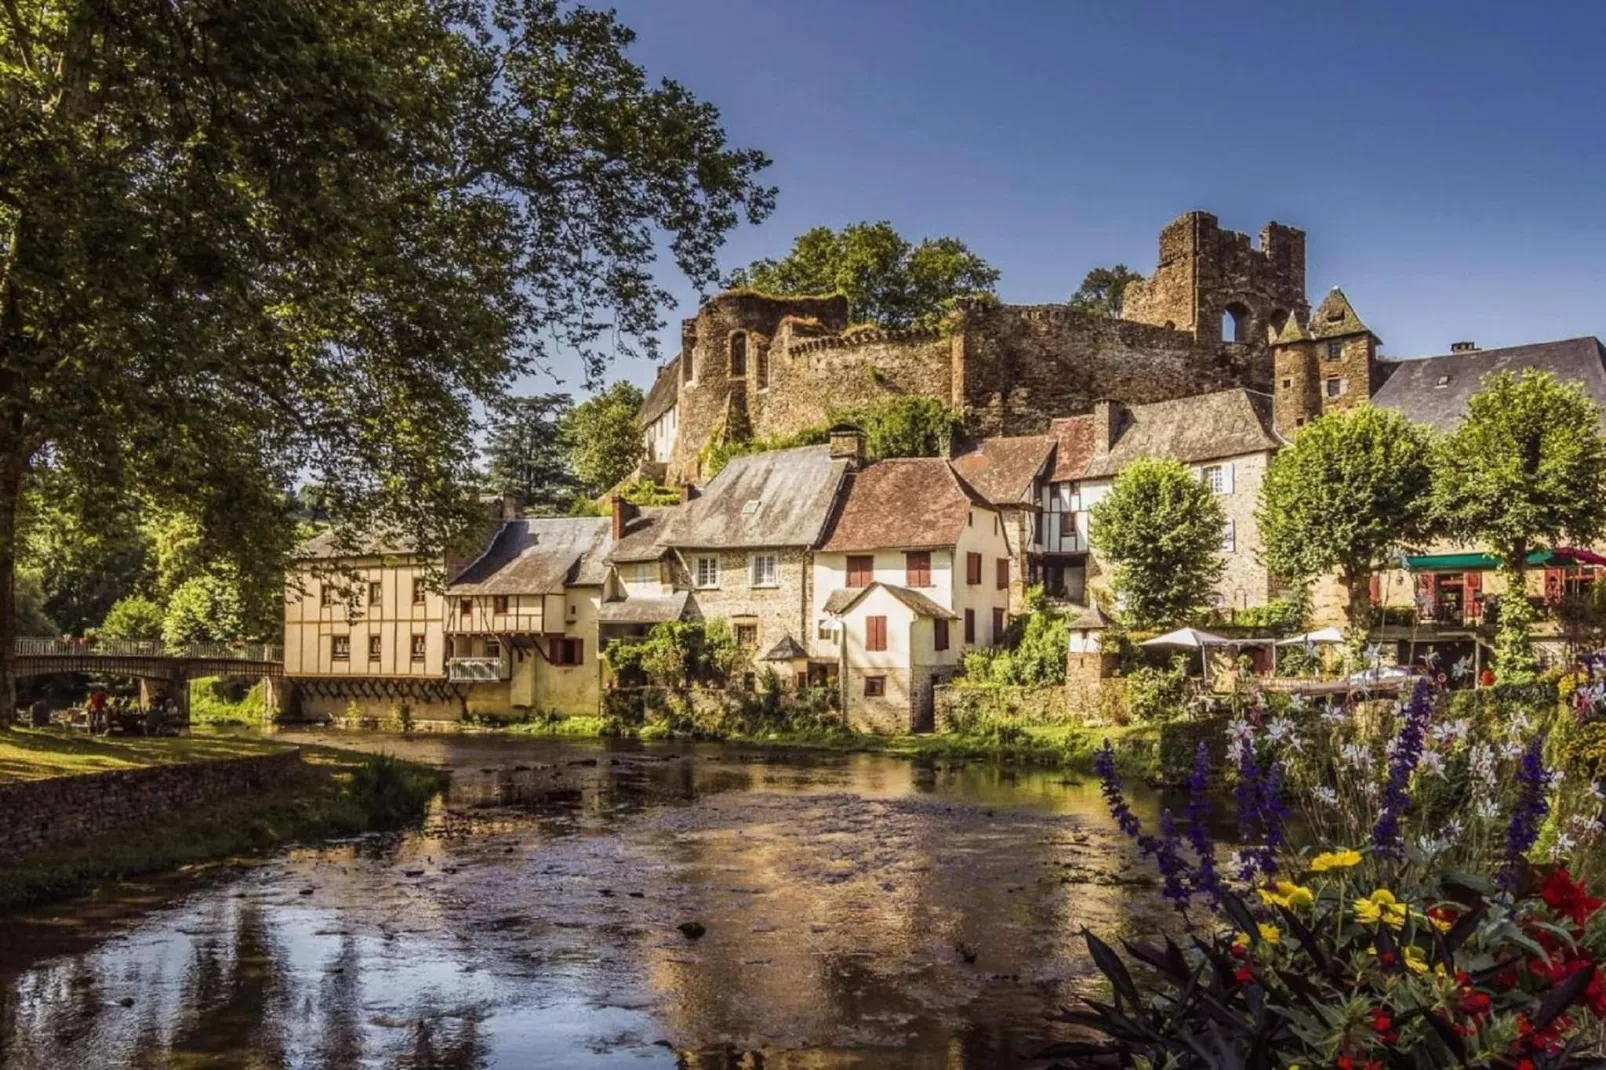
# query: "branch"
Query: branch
{"points": [[24, 38]]}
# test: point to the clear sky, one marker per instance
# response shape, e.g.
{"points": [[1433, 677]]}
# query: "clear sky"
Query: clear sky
{"points": [[1445, 160]]}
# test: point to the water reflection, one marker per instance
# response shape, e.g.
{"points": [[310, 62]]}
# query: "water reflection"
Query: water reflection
{"points": [[859, 911]]}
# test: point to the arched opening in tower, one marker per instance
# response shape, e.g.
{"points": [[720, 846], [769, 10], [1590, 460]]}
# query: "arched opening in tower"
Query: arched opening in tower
{"points": [[1235, 320]]}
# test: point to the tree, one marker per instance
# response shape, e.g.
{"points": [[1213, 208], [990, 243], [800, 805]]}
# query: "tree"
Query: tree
{"points": [[31, 616], [133, 617], [1350, 493], [1162, 528], [1525, 470], [886, 279], [525, 456], [603, 437], [207, 608], [909, 426], [242, 244], [1103, 290]]}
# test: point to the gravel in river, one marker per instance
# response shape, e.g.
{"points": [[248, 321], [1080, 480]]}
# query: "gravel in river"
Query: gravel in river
{"points": [[574, 906]]}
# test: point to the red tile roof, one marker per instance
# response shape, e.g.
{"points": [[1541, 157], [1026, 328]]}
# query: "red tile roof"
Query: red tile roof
{"points": [[1074, 438], [1003, 469], [907, 503]]}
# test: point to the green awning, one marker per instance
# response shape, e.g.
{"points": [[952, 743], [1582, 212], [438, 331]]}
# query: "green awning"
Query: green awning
{"points": [[1488, 563]]}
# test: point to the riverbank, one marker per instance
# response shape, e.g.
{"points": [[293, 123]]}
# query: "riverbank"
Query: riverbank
{"points": [[330, 793]]}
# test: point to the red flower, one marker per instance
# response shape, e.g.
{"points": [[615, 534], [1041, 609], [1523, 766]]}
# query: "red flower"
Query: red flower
{"points": [[1568, 898], [1474, 1003], [1242, 975]]}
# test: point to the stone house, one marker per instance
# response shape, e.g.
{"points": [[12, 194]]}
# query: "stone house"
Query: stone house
{"points": [[916, 569]]}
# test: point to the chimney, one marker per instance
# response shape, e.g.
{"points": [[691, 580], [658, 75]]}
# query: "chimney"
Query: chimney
{"points": [[1463, 347], [512, 508], [847, 444], [1107, 417], [688, 491], [623, 511]]}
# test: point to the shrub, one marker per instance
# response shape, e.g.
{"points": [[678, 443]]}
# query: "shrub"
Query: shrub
{"points": [[1152, 694]]}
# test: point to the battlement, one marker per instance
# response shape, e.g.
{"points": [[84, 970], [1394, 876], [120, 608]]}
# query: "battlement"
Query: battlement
{"points": [[866, 336]]}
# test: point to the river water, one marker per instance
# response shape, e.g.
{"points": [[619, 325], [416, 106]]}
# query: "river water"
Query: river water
{"points": [[859, 911]]}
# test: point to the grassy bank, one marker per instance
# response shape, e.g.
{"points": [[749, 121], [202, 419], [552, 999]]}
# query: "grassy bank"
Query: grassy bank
{"points": [[38, 753], [335, 793]]}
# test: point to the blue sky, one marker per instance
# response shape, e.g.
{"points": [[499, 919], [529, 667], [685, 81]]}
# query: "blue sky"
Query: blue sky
{"points": [[1447, 161]]}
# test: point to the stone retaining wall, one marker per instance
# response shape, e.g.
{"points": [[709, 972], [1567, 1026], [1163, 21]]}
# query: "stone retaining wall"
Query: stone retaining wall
{"points": [[63, 811]]}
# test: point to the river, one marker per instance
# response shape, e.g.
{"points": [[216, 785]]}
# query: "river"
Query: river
{"points": [[858, 911]]}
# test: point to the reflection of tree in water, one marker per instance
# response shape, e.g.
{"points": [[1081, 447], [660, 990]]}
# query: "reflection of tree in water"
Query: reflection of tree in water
{"points": [[444, 1043], [231, 1001], [340, 1042]]}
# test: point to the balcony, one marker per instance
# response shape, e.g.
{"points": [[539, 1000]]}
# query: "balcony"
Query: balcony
{"points": [[477, 670]]}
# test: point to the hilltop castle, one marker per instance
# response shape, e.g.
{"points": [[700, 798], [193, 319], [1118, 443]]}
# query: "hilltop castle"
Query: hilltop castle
{"points": [[1206, 319]]}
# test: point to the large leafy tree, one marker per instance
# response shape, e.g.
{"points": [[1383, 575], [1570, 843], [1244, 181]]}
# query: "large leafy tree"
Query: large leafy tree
{"points": [[1348, 495], [1103, 289], [603, 437], [245, 242], [1525, 470], [887, 279], [525, 455], [1162, 528]]}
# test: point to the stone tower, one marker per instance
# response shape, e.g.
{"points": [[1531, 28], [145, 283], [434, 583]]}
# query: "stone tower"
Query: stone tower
{"points": [[1327, 366], [1226, 292]]}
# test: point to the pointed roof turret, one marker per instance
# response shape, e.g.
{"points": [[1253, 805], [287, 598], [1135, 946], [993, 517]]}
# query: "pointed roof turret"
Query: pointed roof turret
{"points": [[1293, 331], [1335, 318]]}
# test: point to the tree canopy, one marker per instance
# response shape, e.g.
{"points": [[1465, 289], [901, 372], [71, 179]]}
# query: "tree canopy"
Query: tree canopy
{"points": [[244, 243], [525, 456], [886, 278], [1103, 290], [1162, 528], [1352, 491], [603, 437]]}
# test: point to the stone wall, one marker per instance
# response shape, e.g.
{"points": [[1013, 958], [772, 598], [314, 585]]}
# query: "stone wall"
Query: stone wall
{"points": [[776, 611], [65, 811]]}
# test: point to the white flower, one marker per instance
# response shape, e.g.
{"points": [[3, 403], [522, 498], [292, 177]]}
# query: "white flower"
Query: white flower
{"points": [[1431, 763], [1280, 730], [1511, 750], [1519, 726], [1461, 668], [1564, 843], [1240, 730], [1296, 701], [1431, 846], [1487, 809], [1326, 795], [1482, 762], [1334, 714], [1597, 791], [1369, 789], [1356, 756]]}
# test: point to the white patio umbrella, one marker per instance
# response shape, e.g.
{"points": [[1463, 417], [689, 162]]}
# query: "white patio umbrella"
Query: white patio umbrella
{"points": [[1320, 635], [1188, 639]]}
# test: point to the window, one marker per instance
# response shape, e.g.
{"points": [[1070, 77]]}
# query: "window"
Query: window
{"points": [[465, 607], [738, 355], [340, 647], [1214, 478], [761, 367], [747, 636], [1335, 387], [973, 569], [875, 633], [995, 523], [1235, 323], [1003, 573], [939, 634], [1229, 538], [418, 592], [326, 594], [875, 686], [418, 647], [970, 625], [917, 568], [998, 626], [373, 648], [376, 593], [761, 570], [708, 572], [1335, 349], [826, 629], [644, 572], [861, 570], [499, 604], [568, 652], [1288, 384]]}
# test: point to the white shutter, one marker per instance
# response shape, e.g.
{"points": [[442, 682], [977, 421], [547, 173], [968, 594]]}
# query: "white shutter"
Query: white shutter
{"points": [[1226, 478], [1229, 538]]}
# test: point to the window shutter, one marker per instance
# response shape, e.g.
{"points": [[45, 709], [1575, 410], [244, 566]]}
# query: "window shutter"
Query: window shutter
{"points": [[1555, 584], [1374, 589], [1226, 478], [1003, 573], [1472, 588]]}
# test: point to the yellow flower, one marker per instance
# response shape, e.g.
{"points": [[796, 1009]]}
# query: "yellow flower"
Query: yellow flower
{"points": [[1269, 933], [1413, 959], [1335, 860], [1380, 906], [1287, 894]]}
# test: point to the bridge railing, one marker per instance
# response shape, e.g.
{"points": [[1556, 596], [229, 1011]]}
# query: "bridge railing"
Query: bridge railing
{"points": [[146, 648]]}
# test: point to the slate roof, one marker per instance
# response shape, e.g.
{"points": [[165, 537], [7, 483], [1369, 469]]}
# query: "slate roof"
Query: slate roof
{"points": [[1003, 469], [1412, 386], [643, 538], [1335, 317], [774, 498], [1091, 619], [1074, 448], [663, 393], [786, 650], [644, 610], [841, 601], [324, 546], [907, 502], [1204, 427], [537, 556]]}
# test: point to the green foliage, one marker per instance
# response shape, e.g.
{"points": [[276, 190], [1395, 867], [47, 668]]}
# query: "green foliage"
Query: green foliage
{"points": [[603, 437], [525, 456], [133, 616], [205, 608], [1527, 468], [219, 701], [677, 655], [886, 279], [1162, 528], [31, 616], [1298, 660], [1279, 616], [1103, 290], [1514, 659], [1034, 649], [1154, 694], [1349, 494], [85, 550], [901, 426]]}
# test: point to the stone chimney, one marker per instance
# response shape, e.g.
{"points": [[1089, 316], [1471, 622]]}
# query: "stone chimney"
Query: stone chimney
{"points": [[623, 511], [1107, 417], [512, 508], [847, 444], [1463, 347]]}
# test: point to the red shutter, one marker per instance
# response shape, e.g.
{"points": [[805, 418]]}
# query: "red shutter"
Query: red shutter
{"points": [[875, 633], [940, 634], [917, 566], [1003, 573], [998, 627], [1374, 586], [1426, 589], [1472, 588], [973, 569], [970, 625], [860, 570], [1555, 584]]}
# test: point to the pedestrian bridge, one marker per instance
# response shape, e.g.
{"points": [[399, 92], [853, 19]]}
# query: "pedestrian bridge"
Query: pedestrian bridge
{"points": [[144, 659]]}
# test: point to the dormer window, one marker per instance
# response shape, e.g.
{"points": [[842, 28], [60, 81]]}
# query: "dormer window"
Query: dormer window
{"points": [[749, 507], [739, 355], [1444, 381]]}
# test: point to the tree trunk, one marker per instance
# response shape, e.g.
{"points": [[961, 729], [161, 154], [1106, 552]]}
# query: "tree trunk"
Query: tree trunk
{"points": [[10, 493], [1358, 586]]}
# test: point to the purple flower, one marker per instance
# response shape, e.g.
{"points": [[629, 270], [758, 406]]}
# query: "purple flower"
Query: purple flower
{"points": [[1110, 788], [1528, 814], [1407, 751], [1173, 868], [1260, 806], [1205, 877]]}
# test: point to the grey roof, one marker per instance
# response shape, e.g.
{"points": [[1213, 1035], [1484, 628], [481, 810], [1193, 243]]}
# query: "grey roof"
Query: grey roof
{"points": [[1204, 427], [663, 393], [643, 538], [326, 546], [786, 650], [644, 610], [1413, 386], [1335, 317], [775, 498], [537, 556], [841, 601], [1091, 619]]}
